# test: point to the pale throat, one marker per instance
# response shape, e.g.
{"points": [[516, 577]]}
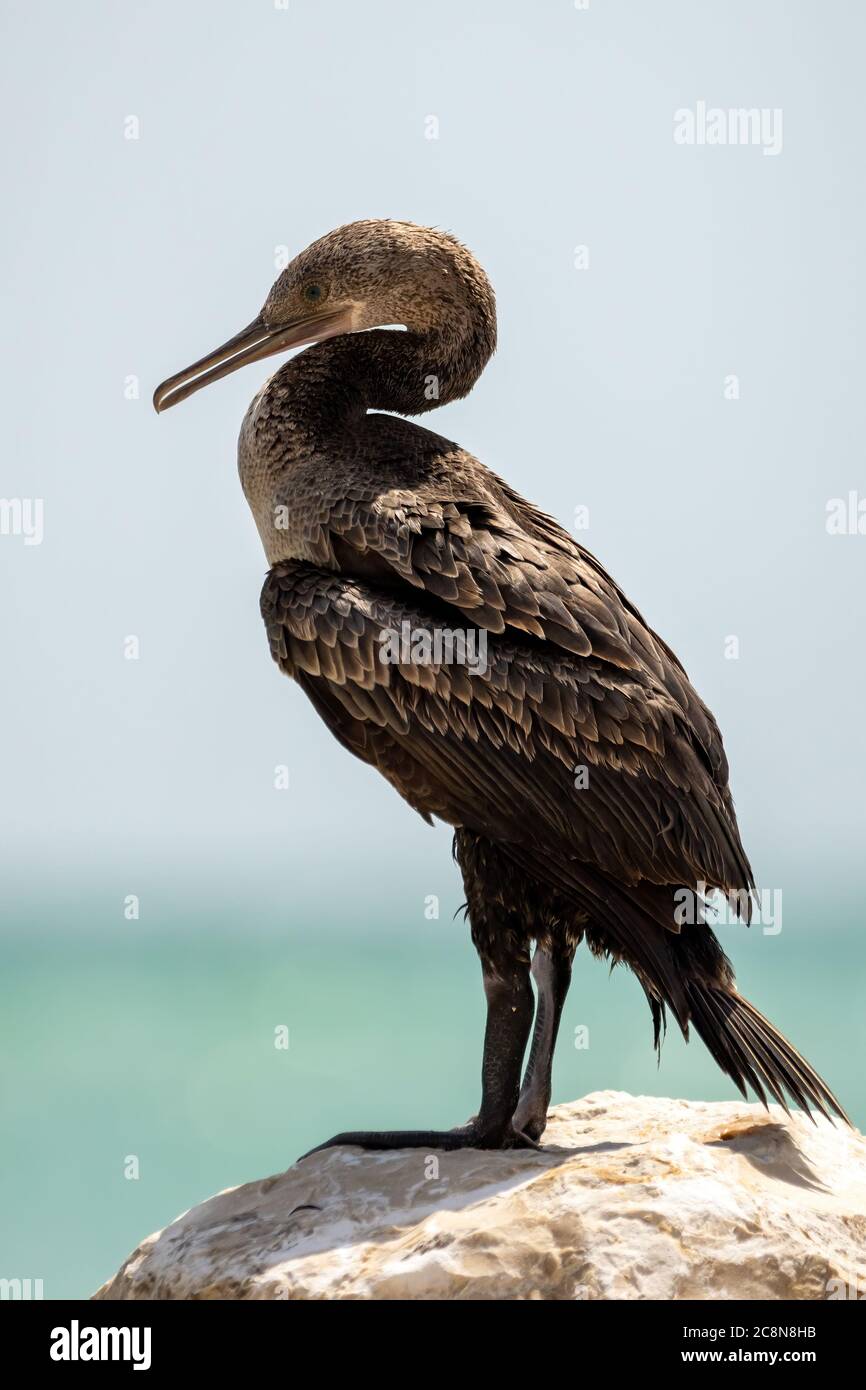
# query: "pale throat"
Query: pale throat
{"points": [[269, 452]]}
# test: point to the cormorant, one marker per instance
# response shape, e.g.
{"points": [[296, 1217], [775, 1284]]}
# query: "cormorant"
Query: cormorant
{"points": [[376, 529]]}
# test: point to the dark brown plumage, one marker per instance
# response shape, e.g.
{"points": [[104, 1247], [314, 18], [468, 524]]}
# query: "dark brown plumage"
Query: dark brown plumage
{"points": [[370, 524]]}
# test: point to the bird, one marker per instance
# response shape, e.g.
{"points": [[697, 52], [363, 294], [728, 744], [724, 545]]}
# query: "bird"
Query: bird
{"points": [[457, 639]]}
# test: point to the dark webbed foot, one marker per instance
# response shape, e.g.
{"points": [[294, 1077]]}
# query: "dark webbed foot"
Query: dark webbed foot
{"points": [[469, 1136]]}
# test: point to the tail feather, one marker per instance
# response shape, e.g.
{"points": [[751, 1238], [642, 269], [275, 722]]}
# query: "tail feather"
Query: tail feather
{"points": [[688, 972], [749, 1049], [712, 1022]]}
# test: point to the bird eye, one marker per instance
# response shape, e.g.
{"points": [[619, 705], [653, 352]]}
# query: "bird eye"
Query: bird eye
{"points": [[314, 293]]}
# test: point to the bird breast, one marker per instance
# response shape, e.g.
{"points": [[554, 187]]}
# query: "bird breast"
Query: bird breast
{"points": [[272, 462]]}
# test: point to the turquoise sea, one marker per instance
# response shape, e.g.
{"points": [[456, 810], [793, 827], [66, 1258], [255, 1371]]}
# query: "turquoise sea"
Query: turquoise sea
{"points": [[151, 1047]]}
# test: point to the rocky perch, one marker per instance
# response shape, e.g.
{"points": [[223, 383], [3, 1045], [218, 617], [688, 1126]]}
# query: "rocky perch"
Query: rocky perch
{"points": [[631, 1197]]}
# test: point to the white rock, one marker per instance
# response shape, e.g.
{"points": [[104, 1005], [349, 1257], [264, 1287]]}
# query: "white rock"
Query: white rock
{"points": [[631, 1197]]}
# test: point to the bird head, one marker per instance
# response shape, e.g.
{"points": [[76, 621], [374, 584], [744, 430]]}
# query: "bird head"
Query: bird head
{"points": [[365, 275]]}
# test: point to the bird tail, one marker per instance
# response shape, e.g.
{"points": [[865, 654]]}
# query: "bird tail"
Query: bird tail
{"points": [[688, 972], [745, 1044], [751, 1050]]}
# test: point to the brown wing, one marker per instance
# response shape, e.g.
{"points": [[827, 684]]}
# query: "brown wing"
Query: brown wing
{"points": [[469, 541], [498, 749]]}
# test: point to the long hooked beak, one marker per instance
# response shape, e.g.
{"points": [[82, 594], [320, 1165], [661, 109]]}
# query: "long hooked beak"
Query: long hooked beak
{"points": [[255, 341]]}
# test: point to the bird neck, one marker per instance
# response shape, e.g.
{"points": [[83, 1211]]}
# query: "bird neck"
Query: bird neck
{"points": [[333, 384], [313, 410]]}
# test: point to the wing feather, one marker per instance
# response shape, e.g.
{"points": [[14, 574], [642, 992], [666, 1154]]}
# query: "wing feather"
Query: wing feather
{"points": [[495, 747]]}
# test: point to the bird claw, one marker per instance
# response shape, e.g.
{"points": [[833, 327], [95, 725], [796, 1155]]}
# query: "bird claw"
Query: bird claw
{"points": [[522, 1140], [513, 1137], [467, 1136]]}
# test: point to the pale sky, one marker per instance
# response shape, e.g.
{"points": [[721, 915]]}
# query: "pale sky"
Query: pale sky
{"points": [[259, 128]]}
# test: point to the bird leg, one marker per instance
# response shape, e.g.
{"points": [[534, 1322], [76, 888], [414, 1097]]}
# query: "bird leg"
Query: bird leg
{"points": [[509, 1019], [551, 970]]}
